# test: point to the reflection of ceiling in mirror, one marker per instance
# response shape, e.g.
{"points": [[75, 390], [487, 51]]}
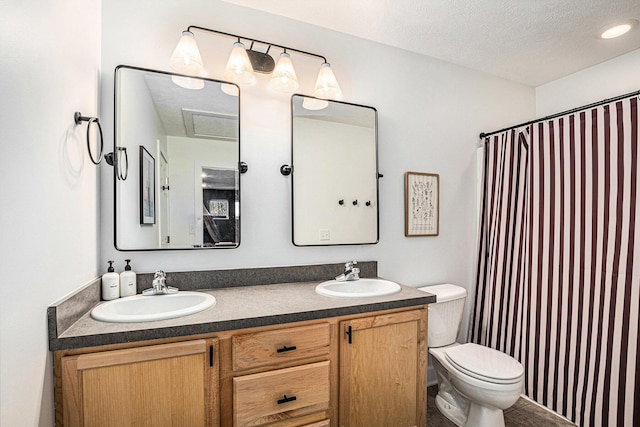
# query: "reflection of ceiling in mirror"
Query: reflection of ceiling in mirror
{"points": [[219, 179], [337, 112], [204, 124], [218, 112]]}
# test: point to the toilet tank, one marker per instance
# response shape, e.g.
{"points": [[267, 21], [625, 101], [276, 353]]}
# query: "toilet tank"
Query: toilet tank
{"points": [[445, 315]]}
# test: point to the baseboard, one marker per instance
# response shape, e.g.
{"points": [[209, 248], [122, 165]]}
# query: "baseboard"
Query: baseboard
{"points": [[546, 409]]}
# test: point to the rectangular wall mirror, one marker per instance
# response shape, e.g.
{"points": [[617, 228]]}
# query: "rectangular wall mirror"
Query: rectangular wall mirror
{"points": [[334, 173], [176, 161]]}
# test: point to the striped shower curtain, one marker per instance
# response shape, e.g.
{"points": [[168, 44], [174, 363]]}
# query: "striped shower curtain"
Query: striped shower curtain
{"points": [[558, 279]]}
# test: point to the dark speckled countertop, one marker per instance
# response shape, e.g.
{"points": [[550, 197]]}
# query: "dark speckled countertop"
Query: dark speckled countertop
{"points": [[236, 308]]}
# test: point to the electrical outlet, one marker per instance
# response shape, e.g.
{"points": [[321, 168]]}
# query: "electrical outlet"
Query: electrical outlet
{"points": [[324, 234]]}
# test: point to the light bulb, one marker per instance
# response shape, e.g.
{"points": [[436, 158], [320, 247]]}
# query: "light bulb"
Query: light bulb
{"points": [[619, 29], [239, 69], [186, 57], [326, 85], [284, 77]]}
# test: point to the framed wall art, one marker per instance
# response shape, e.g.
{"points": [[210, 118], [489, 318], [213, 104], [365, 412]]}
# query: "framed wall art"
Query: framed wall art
{"points": [[147, 187], [421, 204], [219, 208]]}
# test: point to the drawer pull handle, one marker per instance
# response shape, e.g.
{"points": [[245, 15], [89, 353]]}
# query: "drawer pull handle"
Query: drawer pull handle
{"points": [[286, 399], [284, 349]]}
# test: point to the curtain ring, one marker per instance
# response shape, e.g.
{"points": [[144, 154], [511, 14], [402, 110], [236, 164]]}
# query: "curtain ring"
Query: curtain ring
{"points": [[77, 118]]}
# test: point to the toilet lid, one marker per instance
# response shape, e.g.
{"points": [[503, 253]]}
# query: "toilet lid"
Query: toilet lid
{"points": [[485, 363]]}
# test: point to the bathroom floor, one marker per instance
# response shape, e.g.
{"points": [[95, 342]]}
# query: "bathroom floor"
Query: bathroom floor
{"points": [[523, 413]]}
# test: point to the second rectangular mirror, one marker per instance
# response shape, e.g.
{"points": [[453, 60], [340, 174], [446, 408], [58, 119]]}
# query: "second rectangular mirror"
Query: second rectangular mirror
{"points": [[335, 172]]}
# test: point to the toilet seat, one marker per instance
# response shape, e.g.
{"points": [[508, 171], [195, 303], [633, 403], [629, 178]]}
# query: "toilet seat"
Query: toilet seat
{"points": [[485, 363]]}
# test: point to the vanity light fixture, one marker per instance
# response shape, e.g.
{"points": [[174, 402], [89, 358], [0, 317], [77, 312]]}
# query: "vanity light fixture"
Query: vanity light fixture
{"points": [[618, 30], [326, 85], [239, 69], [284, 76], [243, 63], [186, 58]]}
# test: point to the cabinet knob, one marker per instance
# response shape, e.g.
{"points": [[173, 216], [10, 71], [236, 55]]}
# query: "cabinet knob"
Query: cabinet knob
{"points": [[286, 399], [284, 349]]}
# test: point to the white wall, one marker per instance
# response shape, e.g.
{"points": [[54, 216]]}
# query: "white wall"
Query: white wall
{"points": [[142, 129], [49, 218], [618, 76], [430, 115], [343, 155]]}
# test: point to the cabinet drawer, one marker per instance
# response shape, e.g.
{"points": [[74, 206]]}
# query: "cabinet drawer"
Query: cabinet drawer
{"points": [[278, 346], [324, 423], [280, 394]]}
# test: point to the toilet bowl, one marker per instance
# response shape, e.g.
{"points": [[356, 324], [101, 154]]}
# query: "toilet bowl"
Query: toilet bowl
{"points": [[475, 383]]}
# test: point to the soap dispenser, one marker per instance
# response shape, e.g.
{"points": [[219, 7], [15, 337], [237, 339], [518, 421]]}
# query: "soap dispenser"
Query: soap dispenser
{"points": [[110, 283], [127, 281]]}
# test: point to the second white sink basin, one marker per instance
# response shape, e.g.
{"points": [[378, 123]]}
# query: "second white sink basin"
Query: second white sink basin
{"points": [[142, 308], [360, 288]]}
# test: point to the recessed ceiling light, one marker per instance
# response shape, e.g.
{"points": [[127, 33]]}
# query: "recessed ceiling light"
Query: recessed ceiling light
{"points": [[618, 29]]}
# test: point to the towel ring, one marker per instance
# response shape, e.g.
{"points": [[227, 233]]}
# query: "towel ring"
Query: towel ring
{"points": [[120, 175], [78, 118], [115, 159]]}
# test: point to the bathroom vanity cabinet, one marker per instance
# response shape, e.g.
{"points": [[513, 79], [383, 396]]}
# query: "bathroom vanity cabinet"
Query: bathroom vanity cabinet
{"points": [[383, 362], [281, 375], [168, 384], [365, 369]]}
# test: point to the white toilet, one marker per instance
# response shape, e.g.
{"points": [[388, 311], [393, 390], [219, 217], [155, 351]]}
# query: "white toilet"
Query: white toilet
{"points": [[475, 383]]}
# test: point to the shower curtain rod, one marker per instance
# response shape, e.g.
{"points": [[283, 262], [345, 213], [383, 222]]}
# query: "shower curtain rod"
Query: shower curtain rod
{"points": [[564, 113]]}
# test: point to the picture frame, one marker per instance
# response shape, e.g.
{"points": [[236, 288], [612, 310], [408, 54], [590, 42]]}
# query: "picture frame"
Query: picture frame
{"points": [[421, 204], [219, 208], [147, 187]]}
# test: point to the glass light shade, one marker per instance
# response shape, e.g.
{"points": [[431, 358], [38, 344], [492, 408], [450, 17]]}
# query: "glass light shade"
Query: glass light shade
{"points": [[314, 103], [284, 77], [188, 82], [186, 57], [326, 85], [239, 69]]}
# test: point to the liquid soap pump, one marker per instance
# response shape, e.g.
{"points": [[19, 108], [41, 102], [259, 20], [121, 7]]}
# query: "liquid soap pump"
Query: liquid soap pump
{"points": [[127, 281], [110, 284]]}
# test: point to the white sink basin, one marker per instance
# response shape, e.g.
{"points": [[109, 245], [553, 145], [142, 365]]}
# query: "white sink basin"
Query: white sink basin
{"points": [[357, 288], [142, 308]]}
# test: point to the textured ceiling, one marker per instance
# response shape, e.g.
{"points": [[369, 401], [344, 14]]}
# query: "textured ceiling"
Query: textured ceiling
{"points": [[527, 41], [203, 113]]}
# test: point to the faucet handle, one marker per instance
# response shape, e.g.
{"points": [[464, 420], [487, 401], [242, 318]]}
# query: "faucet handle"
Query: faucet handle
{"points": [[160, 275], [349, 265]]}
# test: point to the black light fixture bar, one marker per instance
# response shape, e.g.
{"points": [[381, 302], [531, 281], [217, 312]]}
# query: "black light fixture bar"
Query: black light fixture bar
{"points": [[269, 44]]}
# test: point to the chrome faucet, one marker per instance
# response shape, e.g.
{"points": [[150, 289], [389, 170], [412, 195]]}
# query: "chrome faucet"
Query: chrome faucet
{"points": [[350, 272], [159, 285]]}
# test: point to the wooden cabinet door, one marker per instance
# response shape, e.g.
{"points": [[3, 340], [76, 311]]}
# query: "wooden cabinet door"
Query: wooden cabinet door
{"points": [[383, 370], [162, 385]]}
